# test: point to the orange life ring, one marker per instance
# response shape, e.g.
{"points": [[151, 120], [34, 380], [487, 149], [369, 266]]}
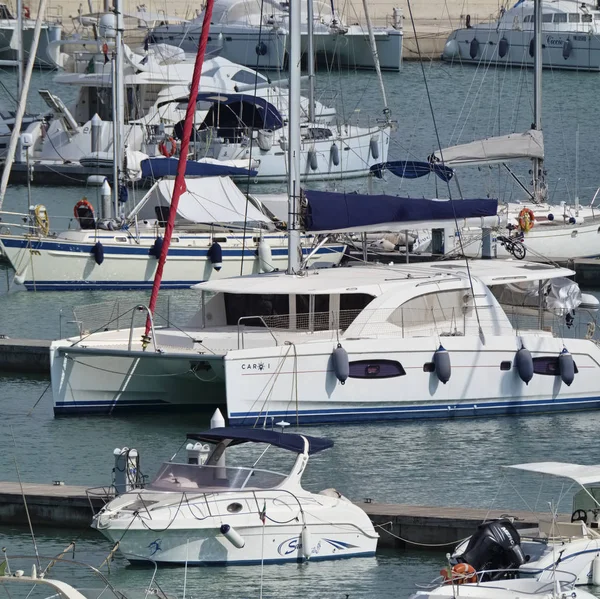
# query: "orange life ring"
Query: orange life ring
{"points": [[82, 204], [526, 219], [460, 574], [26, 12], [168, 147]]}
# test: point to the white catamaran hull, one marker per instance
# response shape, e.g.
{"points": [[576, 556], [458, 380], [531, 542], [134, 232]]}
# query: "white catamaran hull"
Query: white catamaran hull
{"points": [[266, 383], [62, 264]]}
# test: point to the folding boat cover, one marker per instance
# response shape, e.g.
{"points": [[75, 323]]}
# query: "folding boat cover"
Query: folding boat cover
{"points": [[583, 475], [516, 146], [289, 441], [331, 211], [206, 200]]}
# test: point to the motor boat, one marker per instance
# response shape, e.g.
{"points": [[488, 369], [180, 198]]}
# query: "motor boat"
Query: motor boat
{"points": [[51, 31], [218, 233], [507, 588], [569, 36], [78, 140], [569, 543], [257, 36], [212, 513]]}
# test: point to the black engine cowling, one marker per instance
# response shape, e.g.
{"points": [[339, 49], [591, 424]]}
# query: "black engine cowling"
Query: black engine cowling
{"points": [[495, 545]]}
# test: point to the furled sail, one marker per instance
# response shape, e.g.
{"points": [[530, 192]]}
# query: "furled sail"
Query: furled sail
{"points": [[330, 211], [516, 146]]}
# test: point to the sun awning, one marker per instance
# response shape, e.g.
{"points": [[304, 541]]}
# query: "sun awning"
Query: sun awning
{"points": [[270, 117], [289, 441], [516, 146], [583, 475]]}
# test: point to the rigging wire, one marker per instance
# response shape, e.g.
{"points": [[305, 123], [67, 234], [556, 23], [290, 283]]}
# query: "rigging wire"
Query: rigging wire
{"points": [[437, 135]]}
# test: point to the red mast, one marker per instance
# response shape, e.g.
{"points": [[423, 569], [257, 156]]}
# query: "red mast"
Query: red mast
{"points": [[179, 186]]}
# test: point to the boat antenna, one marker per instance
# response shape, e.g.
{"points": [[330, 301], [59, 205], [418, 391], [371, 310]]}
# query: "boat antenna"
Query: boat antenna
{"points": [[439, 144], [179, 184], [35, 548]]}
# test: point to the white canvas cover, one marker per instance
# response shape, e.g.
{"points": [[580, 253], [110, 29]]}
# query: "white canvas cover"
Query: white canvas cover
{"points": [[583, 475], [516, 146], [207, 200]]}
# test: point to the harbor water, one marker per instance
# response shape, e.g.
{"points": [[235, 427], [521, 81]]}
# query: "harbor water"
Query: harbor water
{"points": [[429, 463]]}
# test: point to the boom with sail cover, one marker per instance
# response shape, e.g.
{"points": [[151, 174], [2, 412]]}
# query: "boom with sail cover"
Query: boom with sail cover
{"points": [[515, 146], [412, 169], [352, 212]]}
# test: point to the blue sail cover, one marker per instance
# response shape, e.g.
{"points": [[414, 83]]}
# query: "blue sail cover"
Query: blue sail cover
{"points": [[155, 168], [270, 117], [330, 211], [412, 169]]}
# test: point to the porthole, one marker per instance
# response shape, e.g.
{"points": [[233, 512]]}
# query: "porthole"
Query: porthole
{"points": [[234, 508]]}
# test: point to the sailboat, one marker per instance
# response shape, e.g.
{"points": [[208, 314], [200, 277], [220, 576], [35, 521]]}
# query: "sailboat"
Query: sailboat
{"points": [[219, 232], [339, 345], [536, 228]]}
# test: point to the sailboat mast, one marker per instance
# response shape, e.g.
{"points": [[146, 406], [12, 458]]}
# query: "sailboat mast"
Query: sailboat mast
{"points": [[294, 140], [538, 174], [119, 106], [311, 59], [20, 48]]}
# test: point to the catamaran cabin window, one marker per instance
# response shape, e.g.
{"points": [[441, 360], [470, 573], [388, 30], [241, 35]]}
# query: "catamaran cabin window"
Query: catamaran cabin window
{"points": [[597, 16], [268, 308], [586, 18], [560, 17], [247, 77], [574, 17], [547, 18], [528, 19]]}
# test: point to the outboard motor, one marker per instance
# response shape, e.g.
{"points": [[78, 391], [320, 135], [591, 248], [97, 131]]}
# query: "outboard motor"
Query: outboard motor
{"points": [[496, 546]]}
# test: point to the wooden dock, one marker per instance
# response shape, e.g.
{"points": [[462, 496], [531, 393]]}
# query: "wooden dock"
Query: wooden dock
{"points": [[399, 526], [25, 355]]}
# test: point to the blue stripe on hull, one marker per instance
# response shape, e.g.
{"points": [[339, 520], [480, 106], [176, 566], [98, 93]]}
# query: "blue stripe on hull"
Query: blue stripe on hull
{"points": [[133, 250], [106, 285], [349, 415], [295, 560]]}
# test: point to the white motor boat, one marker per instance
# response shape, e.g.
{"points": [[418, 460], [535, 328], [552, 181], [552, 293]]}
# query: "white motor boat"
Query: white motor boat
{"points": [[256, 35], [569, 543], [515, 588], [218, 233], [156, 81], [209, 513], [569, 37], [50, 33]]}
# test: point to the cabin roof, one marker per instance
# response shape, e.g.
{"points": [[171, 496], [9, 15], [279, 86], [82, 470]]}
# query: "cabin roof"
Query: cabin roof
{"points": [[375, 279]]}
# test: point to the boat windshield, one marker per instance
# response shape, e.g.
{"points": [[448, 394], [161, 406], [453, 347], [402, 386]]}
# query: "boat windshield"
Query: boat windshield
{"points": [[192, 477]]}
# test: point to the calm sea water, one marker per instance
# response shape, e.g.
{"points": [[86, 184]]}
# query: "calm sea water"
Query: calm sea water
{"points": [[433, 463]]}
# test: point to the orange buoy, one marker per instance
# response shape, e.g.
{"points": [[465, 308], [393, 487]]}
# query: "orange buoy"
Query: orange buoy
{"points": [[526, 219], [168, 147], [460, 574]]}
